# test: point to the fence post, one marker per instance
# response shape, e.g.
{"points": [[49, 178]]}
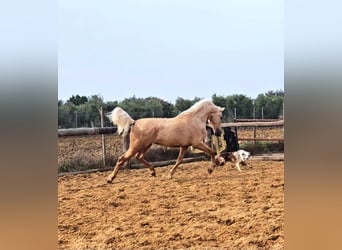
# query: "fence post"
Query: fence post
{"points": [[103, 139], [254, 134], [283, 117]]}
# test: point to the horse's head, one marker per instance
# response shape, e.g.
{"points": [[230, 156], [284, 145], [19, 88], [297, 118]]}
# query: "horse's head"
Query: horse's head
{"points": [[207, 111], [214, 120]]}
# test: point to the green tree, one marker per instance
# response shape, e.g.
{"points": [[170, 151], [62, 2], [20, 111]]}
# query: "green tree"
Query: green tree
{"points": [[168, 109], [243, 106], [183, 104], [153, 107], [67, 115], [147, 107], [270, 105], [275, 93], [93, 106], [83, 115], [135, 107], [78, 100], [84, 111], [222, 102], [108, 107]]}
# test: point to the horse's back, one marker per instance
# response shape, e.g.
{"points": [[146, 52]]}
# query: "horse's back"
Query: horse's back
{"points": [[147, 127], [169, 132]]}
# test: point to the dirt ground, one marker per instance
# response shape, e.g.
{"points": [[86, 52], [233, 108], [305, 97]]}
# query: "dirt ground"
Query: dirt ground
{"points": [[228, 209]]}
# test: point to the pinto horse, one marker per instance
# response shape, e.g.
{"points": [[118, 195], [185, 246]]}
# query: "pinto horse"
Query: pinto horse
{"points": [[186, 129]]}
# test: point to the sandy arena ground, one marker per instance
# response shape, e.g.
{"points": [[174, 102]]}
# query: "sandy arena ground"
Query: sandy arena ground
{"points": [[228, 209]]}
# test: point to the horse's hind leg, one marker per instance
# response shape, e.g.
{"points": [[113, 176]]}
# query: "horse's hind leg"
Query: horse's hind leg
{"points": [[140, 157], [178, 162], [122, 159]]}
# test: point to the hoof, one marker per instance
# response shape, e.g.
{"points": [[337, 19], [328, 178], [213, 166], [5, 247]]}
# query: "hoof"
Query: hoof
{"points": [[153, 174], [109, 180], [210, 170], [169, 176]]}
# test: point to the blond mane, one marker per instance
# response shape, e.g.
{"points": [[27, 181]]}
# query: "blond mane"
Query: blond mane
{"points": [[200, 105]]}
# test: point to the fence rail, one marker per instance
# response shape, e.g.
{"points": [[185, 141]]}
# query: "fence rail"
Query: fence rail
{"points": [[261, 139], [255, 120], [86, 131], [278, 123]]}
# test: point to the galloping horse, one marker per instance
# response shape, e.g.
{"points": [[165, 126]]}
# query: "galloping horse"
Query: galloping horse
{"points": [[186, 129]]}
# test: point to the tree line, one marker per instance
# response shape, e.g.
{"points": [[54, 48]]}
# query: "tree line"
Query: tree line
{"points": [[82, 111]]}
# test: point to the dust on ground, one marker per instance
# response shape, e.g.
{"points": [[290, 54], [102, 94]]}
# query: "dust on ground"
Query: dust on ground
{"points": [[228, 209]]}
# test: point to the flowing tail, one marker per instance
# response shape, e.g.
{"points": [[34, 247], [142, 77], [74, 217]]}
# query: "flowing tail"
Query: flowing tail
{"points": [[122, 119]]}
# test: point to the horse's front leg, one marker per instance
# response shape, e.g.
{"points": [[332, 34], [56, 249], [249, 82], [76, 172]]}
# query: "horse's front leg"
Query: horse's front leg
{"points": [[204, 147]]}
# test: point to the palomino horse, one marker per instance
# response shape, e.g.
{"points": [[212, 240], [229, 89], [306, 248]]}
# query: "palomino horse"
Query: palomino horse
{"points": [[186, 129]]}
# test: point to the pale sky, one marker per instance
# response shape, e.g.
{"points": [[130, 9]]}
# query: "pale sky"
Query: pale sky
{"points": [[170, 49]]}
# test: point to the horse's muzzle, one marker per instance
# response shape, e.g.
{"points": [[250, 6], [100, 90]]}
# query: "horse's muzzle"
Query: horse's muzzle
{"points": [[218, 132]]}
